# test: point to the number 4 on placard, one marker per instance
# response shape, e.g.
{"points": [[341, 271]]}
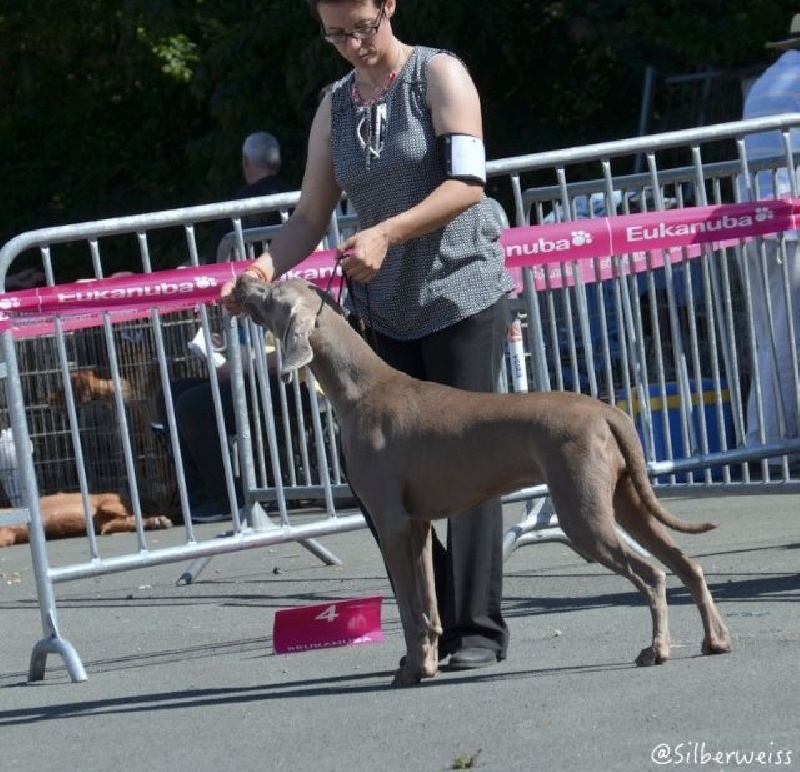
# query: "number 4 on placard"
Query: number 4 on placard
{"points": [[329, 614]]}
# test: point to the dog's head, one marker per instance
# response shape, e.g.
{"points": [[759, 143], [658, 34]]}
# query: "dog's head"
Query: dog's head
{"points": [[288, 309]]}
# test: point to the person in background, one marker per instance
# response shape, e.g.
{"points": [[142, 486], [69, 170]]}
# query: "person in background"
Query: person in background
{"points": [[192, 397], [201, 451], [261, 165], [775, 92], [402, 136], [26, 278]]}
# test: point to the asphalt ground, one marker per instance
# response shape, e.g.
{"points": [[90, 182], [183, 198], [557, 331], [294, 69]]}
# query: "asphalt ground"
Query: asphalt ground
{"points": [[184, 678]]}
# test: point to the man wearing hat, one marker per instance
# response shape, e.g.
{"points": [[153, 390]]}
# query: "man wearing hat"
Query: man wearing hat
{"points": [[775, 92]]}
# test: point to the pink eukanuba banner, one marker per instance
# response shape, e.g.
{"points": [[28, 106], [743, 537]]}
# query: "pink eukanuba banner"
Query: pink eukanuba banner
{"points": [[559, 254]]}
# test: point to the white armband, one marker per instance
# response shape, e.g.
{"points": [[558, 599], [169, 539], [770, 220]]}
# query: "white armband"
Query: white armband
{"points": [[463, 157]]}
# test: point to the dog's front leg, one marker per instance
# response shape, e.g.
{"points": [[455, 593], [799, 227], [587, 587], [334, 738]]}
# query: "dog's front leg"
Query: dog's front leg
{"points": [[406, 547], [430, 627]]}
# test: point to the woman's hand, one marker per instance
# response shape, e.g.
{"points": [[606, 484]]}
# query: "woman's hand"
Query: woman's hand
{"points": [[364, 252], [262, 268]]}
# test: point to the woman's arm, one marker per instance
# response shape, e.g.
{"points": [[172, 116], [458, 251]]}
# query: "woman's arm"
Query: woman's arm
{"points": [[319, 194], [455, 107], [309, 222]]}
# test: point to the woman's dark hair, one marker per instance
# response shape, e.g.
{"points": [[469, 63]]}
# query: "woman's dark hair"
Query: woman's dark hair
{"points": [[313, 5]]}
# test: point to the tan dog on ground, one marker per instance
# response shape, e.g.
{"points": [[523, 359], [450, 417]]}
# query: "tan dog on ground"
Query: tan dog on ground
{"points": [[86, 387], [419, 451], [97, 417], [62, 517]]}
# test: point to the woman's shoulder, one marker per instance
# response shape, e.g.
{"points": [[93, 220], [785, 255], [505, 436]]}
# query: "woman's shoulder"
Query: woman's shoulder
{"points": [[445, 67], [428, 52], [431, 59]]}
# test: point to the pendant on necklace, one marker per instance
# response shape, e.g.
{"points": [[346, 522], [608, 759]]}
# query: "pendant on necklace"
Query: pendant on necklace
{"points": [[371, 129]]}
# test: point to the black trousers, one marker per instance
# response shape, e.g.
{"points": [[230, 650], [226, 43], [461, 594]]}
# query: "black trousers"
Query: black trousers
{"points": [[199, 439], [469, 568]]}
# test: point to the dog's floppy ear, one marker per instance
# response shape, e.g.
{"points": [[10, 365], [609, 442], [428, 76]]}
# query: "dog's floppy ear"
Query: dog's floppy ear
{"points": [[296, 350], [285, 310]]}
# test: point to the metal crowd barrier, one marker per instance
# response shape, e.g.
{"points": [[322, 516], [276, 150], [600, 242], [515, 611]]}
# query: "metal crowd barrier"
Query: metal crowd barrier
{"points": [[670, 345], [673, 346]]}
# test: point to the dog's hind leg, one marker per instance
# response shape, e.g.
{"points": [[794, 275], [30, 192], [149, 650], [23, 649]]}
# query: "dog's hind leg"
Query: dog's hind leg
{"points": [[587, 519], [128, 524], [652, 535], [406, 546], [111, 516]]}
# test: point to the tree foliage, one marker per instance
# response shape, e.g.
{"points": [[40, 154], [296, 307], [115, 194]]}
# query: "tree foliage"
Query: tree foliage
{"points": [[141, 105]]}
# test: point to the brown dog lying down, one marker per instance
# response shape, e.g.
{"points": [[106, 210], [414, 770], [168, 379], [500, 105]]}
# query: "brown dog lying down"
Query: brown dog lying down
{"points": [[419, 451], [62, 515]]}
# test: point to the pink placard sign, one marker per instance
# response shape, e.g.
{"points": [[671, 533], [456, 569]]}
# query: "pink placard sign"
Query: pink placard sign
{"points": [[328, 625]]}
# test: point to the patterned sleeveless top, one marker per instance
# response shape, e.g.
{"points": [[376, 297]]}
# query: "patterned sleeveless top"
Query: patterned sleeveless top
{"points": [[386, 159]]}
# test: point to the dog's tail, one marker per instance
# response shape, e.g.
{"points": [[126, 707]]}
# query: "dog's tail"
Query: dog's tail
{"points": [[628, 442]]}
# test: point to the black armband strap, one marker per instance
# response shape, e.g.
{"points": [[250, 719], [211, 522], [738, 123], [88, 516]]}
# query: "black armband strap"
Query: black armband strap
{"points": [[463, 157]]}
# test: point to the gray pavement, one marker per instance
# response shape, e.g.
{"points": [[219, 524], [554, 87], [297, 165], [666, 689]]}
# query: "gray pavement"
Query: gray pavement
{"points": [[183, 678]]}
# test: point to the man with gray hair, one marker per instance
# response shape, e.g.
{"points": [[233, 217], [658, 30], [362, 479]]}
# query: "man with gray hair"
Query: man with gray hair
{"points": [[261, 156], [192, 397], [261, 164]]}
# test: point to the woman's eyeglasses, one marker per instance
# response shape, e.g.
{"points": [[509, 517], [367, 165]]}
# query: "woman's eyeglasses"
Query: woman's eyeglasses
{"points": [[363, 32]]}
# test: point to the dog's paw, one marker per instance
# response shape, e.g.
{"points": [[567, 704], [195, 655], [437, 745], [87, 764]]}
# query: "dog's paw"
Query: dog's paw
{"points": [[431, 668], [411, 675], [649, 656], [718, 646], [157, 523], [406, 677]]}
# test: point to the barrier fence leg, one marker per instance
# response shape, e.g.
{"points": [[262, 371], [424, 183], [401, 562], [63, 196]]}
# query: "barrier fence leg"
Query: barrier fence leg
{"points": [[258, 520], [318, 551], [55, 644], [52, 643], [539, 524]]}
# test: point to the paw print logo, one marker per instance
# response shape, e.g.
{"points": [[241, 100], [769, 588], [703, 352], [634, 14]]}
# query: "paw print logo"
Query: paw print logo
{"points": [[205, 282], [9, 304], [762, 213], [358, 622], [579, 238]]}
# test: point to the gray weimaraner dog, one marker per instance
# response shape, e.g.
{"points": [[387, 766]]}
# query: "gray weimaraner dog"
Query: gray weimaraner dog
{"points": [[418, 451]]}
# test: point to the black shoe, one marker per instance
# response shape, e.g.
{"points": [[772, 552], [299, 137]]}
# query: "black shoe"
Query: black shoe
{"points": [[211, 512], [473, 658]]}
